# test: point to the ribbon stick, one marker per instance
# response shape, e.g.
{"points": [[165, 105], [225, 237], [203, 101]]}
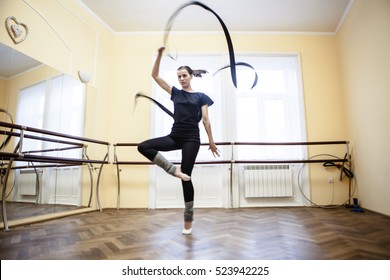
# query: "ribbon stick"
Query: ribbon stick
{"points": [[232, 59]]}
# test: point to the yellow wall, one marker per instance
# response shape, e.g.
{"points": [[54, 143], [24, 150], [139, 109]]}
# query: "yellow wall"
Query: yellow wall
{"points": [[3, 93], [364, 44], [121, 65], [132, 59]]}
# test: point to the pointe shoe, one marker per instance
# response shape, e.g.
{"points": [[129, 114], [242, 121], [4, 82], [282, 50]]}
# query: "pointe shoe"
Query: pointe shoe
{"points": [[181, 175], [186, 231]]}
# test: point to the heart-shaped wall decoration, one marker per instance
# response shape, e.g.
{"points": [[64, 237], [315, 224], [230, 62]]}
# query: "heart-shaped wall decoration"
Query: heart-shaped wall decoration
{"points": [[16, 30]]}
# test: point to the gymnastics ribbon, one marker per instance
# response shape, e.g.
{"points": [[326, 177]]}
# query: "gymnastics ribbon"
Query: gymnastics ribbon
{"points": [[232, 59], [8, 138], [139, 94]]}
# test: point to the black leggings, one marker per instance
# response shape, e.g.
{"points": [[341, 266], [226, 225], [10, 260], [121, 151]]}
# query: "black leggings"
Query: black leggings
{"points": [[189, 151]]}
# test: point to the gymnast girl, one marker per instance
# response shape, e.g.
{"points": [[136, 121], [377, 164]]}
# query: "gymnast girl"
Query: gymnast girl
{"points": [[189, 108]]}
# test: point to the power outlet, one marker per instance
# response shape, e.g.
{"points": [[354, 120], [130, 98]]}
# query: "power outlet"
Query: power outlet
{"points": [[330, 180]]}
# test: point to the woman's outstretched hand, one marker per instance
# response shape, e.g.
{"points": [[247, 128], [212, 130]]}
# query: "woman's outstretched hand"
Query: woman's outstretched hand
{"points": [[214, 149]]}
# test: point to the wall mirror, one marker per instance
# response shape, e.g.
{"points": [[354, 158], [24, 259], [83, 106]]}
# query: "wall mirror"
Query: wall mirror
{"points": [[38, 96]]}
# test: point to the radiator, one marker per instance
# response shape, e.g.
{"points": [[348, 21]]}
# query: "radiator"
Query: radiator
{"points": [[268, 181], [27, 182]]}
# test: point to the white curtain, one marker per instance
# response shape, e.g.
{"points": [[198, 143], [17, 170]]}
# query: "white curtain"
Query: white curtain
{"points": [[209, 181], [209, 84], [270, 112], [65, 110], [56, 104], [30, 112], [273, 111]]}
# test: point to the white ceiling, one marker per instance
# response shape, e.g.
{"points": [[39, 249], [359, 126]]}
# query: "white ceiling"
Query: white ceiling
{"points": [[238, 15]]}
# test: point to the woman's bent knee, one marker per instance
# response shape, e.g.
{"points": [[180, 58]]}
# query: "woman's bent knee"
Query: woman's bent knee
{"points": [[141, 148], [146, 151]]}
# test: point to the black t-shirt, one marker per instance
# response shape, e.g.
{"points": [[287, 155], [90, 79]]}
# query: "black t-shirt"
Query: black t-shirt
{"points": [[187, 113]]}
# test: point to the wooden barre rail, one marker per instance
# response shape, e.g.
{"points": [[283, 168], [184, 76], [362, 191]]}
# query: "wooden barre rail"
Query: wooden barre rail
{"points": [[52, 133], [256, 143], [58, 141], [232, 161], [50, 159], [239, 161]]}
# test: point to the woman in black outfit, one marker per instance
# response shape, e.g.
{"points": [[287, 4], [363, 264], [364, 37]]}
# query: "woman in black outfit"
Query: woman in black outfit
{"points": [[189, 108]]}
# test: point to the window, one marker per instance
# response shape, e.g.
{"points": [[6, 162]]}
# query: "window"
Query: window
{"points": [[56, 104], [30, 111], [209, 84], [270, 112]]}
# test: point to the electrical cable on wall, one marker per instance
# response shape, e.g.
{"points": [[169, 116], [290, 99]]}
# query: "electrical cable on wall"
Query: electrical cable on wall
{"points": [[344, 170]]}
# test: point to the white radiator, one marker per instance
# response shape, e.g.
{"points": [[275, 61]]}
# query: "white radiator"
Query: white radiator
{"points": [[27, 183], [268, 181]]}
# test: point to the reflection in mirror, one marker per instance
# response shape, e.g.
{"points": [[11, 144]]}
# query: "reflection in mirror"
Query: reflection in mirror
{"points": [[39, 97]]}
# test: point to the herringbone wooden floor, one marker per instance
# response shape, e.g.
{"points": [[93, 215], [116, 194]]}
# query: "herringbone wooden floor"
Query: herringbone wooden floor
{"points": [[253, 233], [21, 210]]}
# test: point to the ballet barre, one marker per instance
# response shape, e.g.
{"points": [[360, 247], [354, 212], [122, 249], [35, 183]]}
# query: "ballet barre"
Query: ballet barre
{"points": [[37, 161], [232, 161]]}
